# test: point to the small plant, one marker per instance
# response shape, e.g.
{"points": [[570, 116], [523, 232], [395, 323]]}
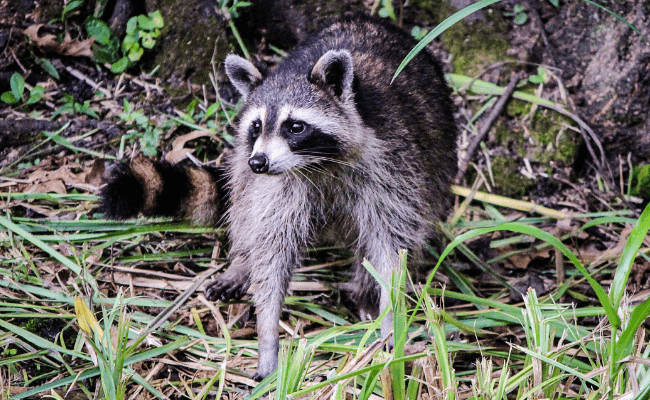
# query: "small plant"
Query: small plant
{"points": [[15, 96], [147, 134], [387, 10], [141, 33], [70, 106], [541, 77], [108, 346], [69, 9], [230, 12], [419, 33], [518, 13]]}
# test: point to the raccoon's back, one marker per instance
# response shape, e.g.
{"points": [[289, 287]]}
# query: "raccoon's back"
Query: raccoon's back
{"points": [[414, 112]]}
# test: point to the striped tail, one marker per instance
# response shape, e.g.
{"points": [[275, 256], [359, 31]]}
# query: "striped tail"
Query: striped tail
{"points": [[160, 189]]}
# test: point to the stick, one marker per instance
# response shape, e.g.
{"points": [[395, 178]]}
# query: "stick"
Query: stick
{"points": [[485, 127]]}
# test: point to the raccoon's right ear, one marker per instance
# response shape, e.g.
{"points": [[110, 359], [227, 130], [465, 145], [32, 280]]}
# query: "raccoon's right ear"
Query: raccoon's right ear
{"points": [[334, 70], [243, 74]]}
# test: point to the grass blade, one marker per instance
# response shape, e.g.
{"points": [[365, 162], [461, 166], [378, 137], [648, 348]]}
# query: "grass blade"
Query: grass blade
{"points": [[443, 26], [633, 244]]}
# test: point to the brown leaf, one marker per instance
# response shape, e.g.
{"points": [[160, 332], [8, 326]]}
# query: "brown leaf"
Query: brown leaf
{"points": [[179, 152], [46, 42], [76, 48], [94, 177], [50, 186], [520, 261], [69, 47]]}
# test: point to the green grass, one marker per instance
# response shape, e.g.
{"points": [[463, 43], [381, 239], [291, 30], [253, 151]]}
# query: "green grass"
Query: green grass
{"points": [[114, 310], [584, 349]]}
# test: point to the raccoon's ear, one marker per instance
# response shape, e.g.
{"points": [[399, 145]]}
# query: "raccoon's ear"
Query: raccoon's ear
{"points": [[243, 74], [335, 71]]}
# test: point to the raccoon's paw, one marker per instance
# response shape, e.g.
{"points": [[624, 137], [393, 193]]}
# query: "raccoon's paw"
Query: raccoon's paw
{"points": [[226, 288]]}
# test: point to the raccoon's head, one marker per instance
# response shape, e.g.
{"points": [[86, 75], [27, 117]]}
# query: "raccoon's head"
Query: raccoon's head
{"points": [[297, 116]]}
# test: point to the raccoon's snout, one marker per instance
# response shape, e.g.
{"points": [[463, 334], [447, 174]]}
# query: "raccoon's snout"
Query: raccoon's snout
{"points": [[259, 163]]}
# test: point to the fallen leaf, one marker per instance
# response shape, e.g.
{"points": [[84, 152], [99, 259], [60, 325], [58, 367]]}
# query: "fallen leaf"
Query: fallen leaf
{"points": [[68, 47], [179, 152], [76, 48], [94, 177], [50, 186], [45, 42]]}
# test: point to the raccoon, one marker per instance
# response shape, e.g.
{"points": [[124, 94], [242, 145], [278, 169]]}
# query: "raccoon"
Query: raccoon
{"points": [[324, 143]]}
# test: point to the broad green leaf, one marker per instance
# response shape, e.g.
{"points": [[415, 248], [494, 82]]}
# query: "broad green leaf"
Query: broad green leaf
{"points": [[119, 66], [135, 53], [145, 22], [35, 95], [8, 97], [212, 109], [17, 85], [48, 67], [99, 30], [73, 5], [520, 18], [147, 41], [156, 19], [131, 26]]}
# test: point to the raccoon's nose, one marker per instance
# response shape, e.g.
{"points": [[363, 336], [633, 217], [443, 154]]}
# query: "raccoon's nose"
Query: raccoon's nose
{"points": [[259, 163]]}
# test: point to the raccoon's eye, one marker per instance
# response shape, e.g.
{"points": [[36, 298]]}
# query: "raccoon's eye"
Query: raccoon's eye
{"points": [[257, 127], [297, 128]]}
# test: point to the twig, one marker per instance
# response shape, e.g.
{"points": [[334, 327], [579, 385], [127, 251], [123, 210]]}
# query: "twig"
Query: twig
{"points": [[485, 127], [89, 81]]}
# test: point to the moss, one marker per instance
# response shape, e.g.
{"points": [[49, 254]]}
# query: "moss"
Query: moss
{"points": [[187, 43], [641, 181], [476, 45], [510, 182], [552, 140], [517, 108]]}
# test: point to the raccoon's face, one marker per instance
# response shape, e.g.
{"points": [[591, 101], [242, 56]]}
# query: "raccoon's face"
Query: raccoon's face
{"points": [[290, 122], [286, 137]]}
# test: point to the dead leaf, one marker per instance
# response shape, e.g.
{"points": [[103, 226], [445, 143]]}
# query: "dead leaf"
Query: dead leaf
{"points": [[46, 42], [76, 48], [44, 181], [179, 152], [94, 177], [50, 186], [520, 261], [68, 47]]}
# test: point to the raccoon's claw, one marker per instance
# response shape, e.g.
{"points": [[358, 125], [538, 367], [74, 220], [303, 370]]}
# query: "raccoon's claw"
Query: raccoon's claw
{"points": [[225, 289]]}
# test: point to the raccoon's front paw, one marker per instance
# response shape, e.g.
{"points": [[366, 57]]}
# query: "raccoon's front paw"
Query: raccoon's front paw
{"points": [[226, 288]]}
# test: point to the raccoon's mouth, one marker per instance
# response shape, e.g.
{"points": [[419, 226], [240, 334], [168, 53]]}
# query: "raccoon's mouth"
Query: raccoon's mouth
{"points": [[261, 164]]}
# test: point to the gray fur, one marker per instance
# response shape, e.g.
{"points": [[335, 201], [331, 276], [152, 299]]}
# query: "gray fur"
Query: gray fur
{"points": [[383, 191], [243, 74]]}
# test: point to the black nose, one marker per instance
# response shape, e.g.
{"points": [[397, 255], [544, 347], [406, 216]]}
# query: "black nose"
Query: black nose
{"points": [[259, 163]]}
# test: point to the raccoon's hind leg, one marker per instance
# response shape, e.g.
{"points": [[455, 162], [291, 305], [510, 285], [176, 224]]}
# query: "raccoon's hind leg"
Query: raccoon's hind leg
{"points": [[232, 284], [365, 291]]}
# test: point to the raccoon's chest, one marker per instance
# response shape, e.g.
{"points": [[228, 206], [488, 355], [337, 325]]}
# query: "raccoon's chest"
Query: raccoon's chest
{"points": [[335, 219]]}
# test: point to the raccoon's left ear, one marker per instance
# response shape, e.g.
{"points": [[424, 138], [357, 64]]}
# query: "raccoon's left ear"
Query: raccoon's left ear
{"points": [[334, 70], [243, 74]]}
